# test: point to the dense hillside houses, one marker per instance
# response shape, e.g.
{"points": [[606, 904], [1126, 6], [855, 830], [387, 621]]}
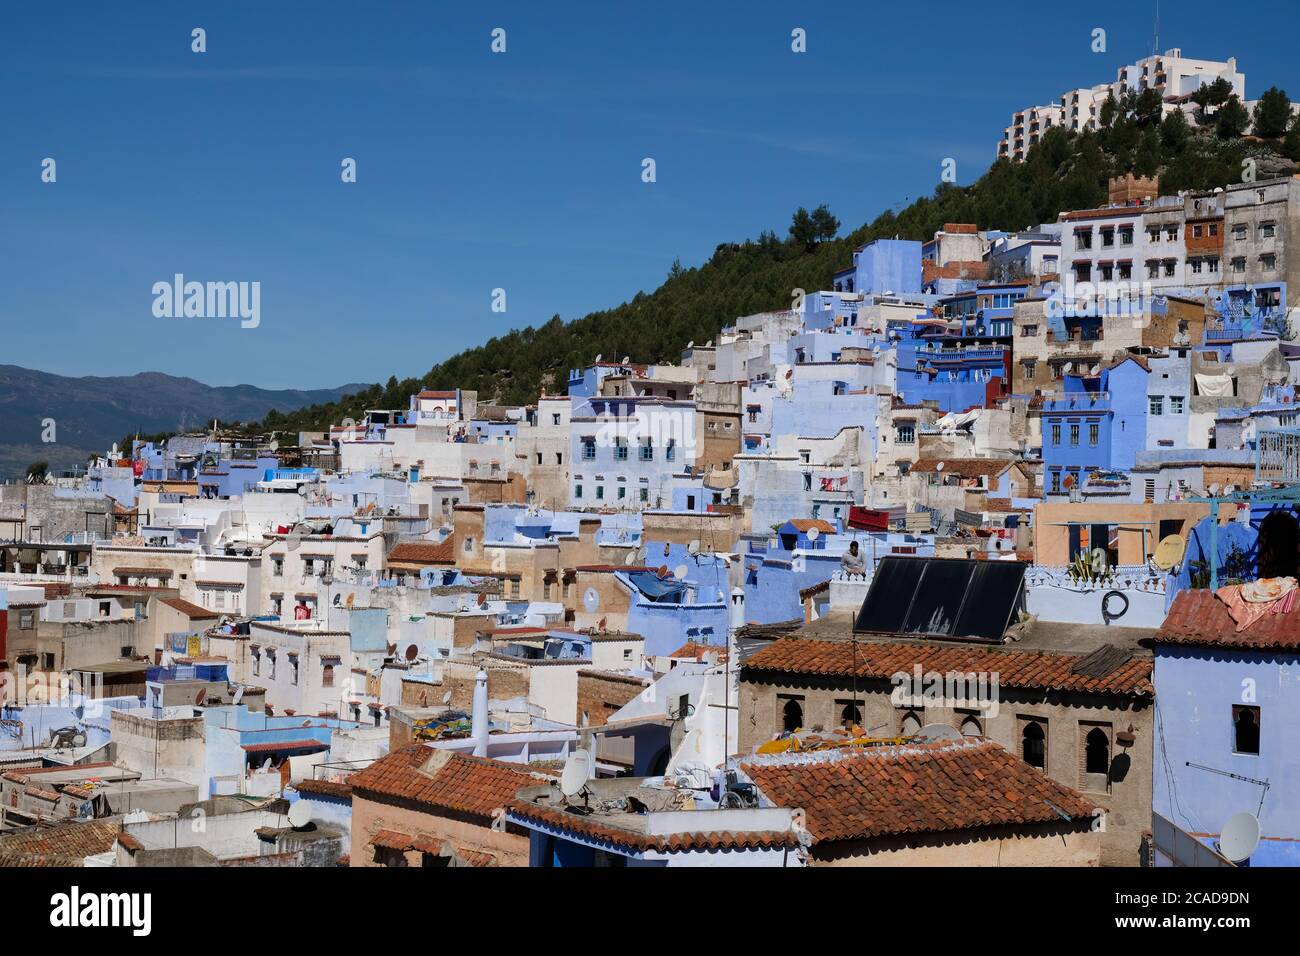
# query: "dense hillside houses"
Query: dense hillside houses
{"points": [[960, 561]]}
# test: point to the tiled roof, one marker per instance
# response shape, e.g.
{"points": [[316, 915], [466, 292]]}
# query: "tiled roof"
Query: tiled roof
{"points": [[592, 828], [279, 745], [914, 788], [807, 524], [144, 572], [884, 659], [393, 840], [324, 788], [1197, 617], [965, 467], [696, 651], [442, 780], [420, 552], [63, 845], [188, 608]]}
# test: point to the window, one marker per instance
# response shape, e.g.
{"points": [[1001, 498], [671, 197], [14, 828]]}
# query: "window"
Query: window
{"points": [[645, 494], [1267, 230], [1197, 231], [1245, 729], [1176, 404], [1195, 265], [791, 713], [293, 670], [1074, 436], [1029, 331], [1033, 742], [468, 547], [1171, 233], [600, 492], [911, 724], [1126, 235], [1083, 239], [1153, 268], [670, 451], [577, 491], [622, 492], [1238, 263], [1094, 756], [277, 567], [1056, 434], [906, 434], [1268, 261], [26, 620], [850, 713], [1093, 434], [1170, 266], [647, 451], [1156, 404], [1108, 236], [807, 481], [1239, 231], [970, 726], [620, 450], [589, 449]]}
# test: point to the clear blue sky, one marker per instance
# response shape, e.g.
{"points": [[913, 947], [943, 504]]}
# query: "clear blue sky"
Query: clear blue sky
{"points": [[477, 171]]}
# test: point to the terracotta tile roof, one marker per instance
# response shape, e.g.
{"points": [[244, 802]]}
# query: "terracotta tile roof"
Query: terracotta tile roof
{"points": [[884, 659], [696, 651], [324, 788], [393, 840], [442, 781], [807, 524], [914, 788], [276, 746], [1197, 617], [965, 467], [592, 828], [143, 572], [62, 845], [189, 608], [421, 552]]}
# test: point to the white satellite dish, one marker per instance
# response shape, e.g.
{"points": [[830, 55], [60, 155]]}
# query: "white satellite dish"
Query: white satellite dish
{"points": [[1240, 836], [938, 732], [693, 548], [299, 815], [576, 773], [591, 600], [938, 466], [630, 559], [680, 572], [446, 698], [814, 534]]}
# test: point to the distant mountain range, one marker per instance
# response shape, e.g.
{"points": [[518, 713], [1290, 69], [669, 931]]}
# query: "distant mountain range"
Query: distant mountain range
{"points": [[91, 413]]}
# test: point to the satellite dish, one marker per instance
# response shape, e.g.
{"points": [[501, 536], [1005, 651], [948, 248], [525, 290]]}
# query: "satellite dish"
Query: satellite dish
{"points": [[239, 695], [576, 773], [814, 534], [680, 571], [446, 698], [299, 815], [693, 548], [1098, 560], [938, 466], [1240, 836], [1213, 490], [630, 559], [1169, 551], [938, 732], [412, 652], [591, 600], [198, 698]]}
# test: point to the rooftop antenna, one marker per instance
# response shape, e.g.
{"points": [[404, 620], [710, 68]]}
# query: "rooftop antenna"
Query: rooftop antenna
{"points": [[1239, 837], [300, 815], [574, 777]]}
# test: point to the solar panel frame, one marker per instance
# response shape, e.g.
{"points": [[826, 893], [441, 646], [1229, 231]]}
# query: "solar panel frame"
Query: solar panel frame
{"points": [[968, 601]]}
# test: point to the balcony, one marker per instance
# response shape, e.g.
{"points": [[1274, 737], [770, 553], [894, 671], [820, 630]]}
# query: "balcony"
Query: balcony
{"points": [[1077, 402]]}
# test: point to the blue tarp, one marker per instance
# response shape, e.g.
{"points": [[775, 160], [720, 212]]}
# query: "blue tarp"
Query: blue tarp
{"points": [[656, 588]]}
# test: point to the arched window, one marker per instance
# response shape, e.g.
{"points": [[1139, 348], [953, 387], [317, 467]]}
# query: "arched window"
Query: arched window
{"points": [[911, 724], [1245, 722], [1096, 752], [851, 715], [791, 716], [1034, 745], [970, 727]]}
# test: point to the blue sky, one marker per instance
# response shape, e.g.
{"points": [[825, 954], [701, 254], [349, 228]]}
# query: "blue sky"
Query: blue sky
{"points": [[479, 171]]}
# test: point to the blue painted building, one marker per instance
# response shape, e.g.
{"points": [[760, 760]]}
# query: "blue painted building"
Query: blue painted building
{"points": [[1098, 423]]}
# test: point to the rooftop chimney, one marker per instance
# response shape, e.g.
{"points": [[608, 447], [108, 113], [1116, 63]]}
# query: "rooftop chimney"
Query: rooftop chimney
{"points": [[479, 715]]}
